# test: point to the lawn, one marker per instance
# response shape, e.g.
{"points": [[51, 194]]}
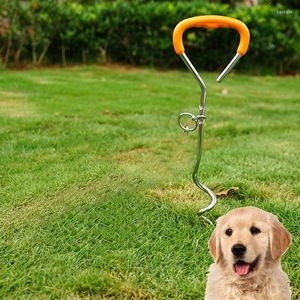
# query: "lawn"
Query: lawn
{"points": [[97, 199]]}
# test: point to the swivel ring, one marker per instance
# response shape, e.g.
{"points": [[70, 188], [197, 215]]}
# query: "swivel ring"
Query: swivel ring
{"points": [[184, 127], [196, 119]]}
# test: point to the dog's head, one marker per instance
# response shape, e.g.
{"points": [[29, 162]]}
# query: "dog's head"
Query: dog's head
{"points": [[246, 239]]}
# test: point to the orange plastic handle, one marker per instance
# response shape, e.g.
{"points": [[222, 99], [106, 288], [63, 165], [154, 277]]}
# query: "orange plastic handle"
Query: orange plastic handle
{"points": [[211, 22]]}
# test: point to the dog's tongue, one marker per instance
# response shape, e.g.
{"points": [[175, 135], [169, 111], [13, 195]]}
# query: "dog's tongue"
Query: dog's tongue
{"points": [[242, 268]]}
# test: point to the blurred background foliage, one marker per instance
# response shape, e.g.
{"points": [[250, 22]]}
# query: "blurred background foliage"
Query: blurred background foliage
{"points": [[139, 32]]}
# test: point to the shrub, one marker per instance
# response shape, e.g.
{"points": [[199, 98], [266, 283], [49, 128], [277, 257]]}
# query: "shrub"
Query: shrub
{"points": [[140, 32], [146, 34]]}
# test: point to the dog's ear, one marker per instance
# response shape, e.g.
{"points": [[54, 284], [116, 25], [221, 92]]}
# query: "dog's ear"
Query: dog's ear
{"points": [[280, 238], [215, 246]]}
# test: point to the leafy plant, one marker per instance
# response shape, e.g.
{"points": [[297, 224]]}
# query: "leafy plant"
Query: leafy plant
{"points": [[140, 32]]}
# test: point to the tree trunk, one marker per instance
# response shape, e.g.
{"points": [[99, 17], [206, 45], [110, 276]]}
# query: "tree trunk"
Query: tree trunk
{"points": [[103, 55], [42, 55], [83, 51], [1, 57], [7, 53], [33, 47], [19, 51], [63, 56], [9, 40]]}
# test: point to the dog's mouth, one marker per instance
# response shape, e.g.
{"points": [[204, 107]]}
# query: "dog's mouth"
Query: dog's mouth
{"points": [[243, 268]]}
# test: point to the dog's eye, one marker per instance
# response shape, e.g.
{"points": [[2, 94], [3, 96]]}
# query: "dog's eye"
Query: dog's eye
{"points": [[228, 232], [254, 230]]}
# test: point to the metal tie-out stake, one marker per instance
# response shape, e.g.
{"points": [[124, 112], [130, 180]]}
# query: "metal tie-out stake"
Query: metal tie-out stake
{"points": [[208, 22]]}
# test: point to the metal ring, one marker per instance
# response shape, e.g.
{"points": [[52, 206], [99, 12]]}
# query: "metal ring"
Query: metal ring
{"points": [[186, 128]]}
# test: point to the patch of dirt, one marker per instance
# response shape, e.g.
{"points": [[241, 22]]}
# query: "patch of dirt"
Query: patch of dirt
{"points": [[43, 81], [14, 108], [56, 202], [187, 195], [278, 193], [13, 105], [275, 107], [135, 155], [120, 67]]}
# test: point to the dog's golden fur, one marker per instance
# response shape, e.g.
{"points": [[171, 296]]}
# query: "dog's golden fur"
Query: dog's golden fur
{"points": [[266, 281]]}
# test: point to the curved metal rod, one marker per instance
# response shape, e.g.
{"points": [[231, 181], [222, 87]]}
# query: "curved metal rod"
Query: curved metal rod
{"points": [[196, 169], [229, 67], [200, 123]]}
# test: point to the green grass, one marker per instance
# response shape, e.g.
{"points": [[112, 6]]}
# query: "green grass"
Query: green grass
{"points": [[96, 193]]}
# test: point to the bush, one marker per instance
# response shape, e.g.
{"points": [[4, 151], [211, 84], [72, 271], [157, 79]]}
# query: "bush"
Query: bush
{"points": [[146, 35], [141, 33]]}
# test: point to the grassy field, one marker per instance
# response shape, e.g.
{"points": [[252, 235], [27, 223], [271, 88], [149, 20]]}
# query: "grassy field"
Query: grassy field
{"points": [[97, 199]]}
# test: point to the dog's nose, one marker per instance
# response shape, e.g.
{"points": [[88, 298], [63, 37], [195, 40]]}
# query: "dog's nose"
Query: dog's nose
{"points": [[238, 250]]}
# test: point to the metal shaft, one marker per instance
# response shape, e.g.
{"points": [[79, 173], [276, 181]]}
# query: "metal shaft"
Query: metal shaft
{"points": [[200, 135], [229, 67], [196, 170], [200, 123]]}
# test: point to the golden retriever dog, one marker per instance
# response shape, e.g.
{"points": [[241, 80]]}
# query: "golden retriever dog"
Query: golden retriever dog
{"points": [[246, 245]]}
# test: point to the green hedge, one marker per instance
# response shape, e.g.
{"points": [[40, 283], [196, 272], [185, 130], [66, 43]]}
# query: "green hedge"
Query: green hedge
{"points": [[141, 34]]}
